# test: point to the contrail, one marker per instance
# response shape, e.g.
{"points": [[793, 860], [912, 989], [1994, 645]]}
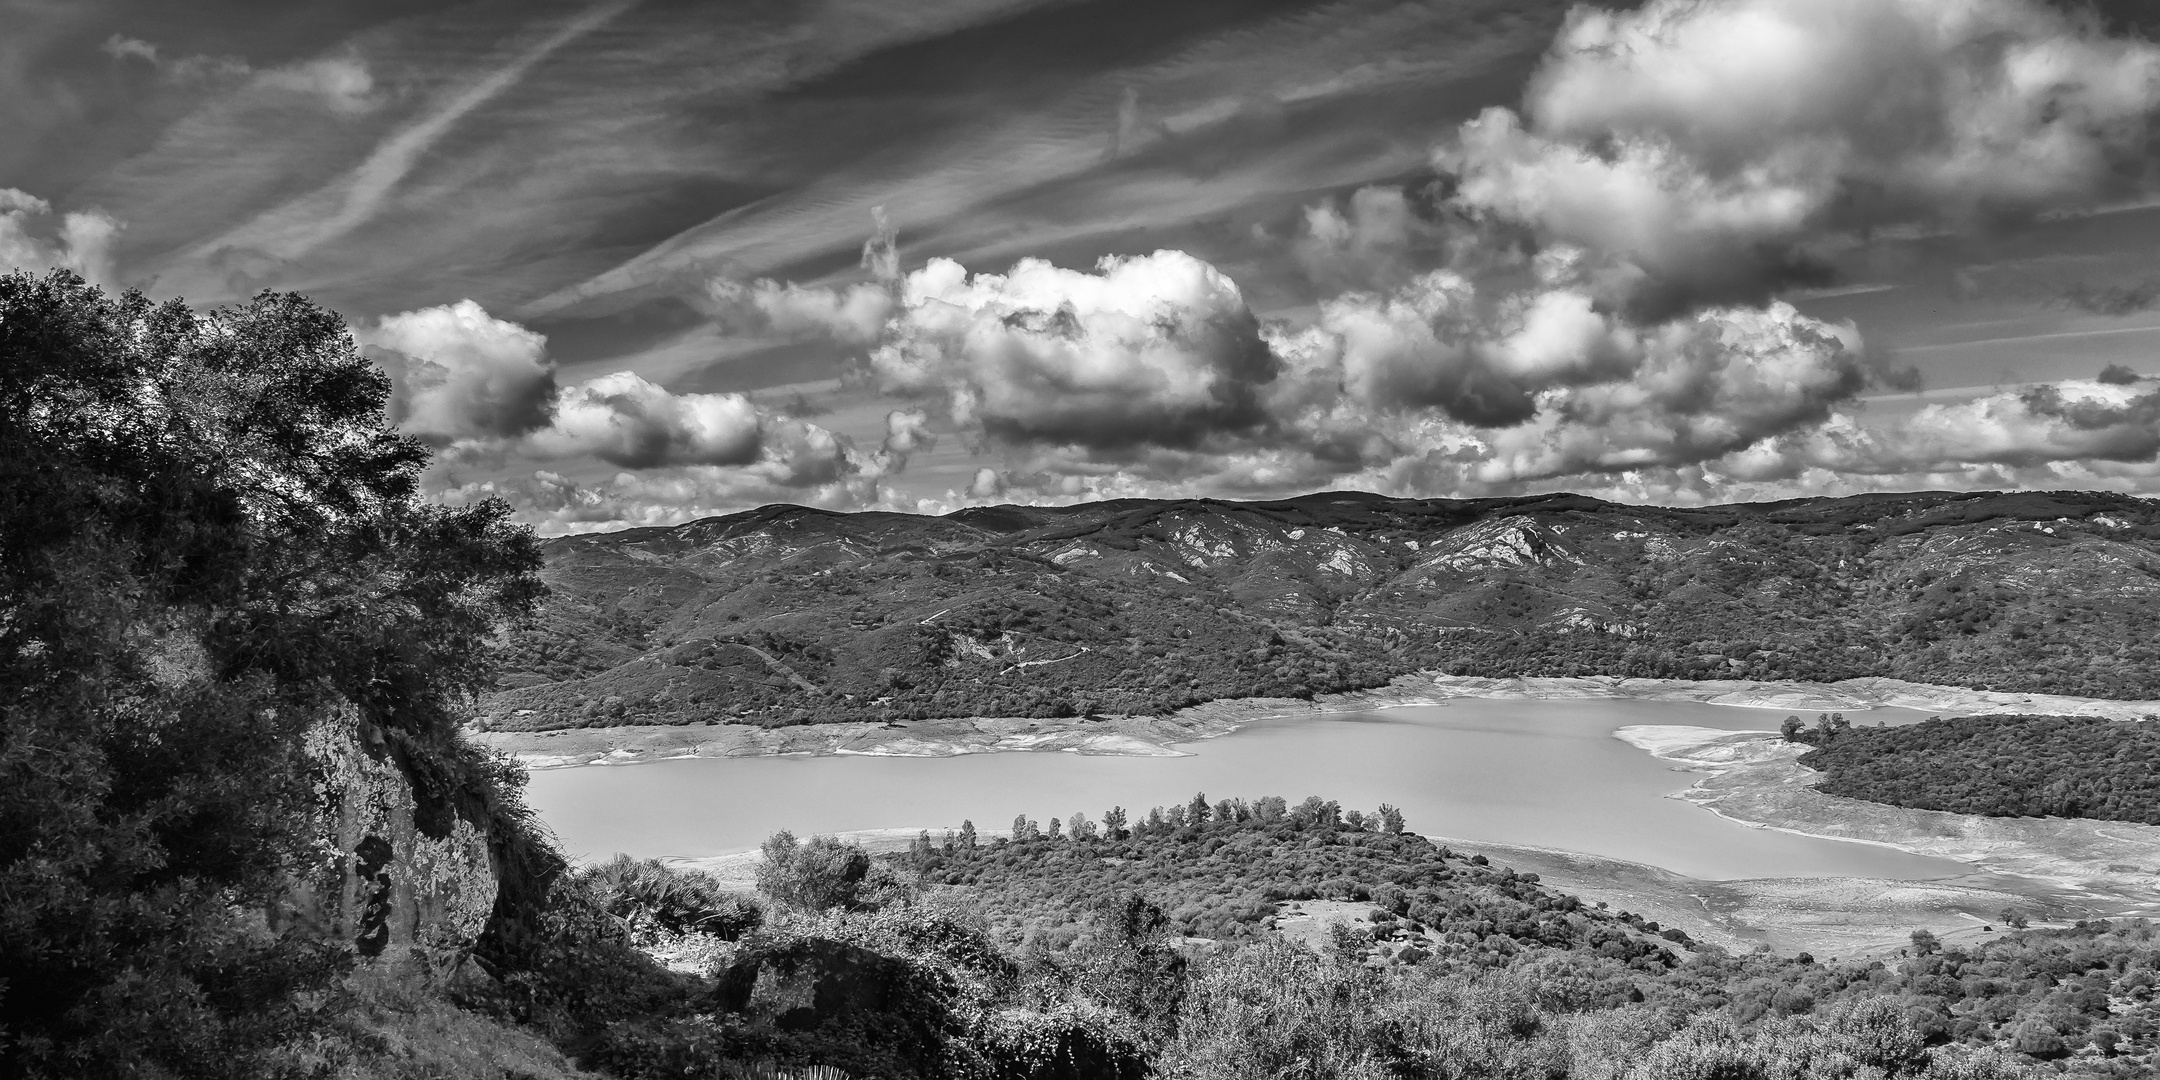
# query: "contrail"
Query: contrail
{"points": [[298, 227]]}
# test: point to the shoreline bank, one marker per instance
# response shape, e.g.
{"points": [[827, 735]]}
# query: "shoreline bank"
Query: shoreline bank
{"points": [[1756, 780], [1751, 780], [1160, 736]]}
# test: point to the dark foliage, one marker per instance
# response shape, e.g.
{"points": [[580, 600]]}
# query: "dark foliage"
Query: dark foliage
{"points": [[1221, 877], [646, 893], [208, 535], [2001, 766]]}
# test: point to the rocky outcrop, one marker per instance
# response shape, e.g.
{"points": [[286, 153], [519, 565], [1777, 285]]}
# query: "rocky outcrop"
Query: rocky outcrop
{"points": [[882, 1014], [411, 903]]}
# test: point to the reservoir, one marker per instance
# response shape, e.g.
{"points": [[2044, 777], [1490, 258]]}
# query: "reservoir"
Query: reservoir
{"points": [[1541, 773]]}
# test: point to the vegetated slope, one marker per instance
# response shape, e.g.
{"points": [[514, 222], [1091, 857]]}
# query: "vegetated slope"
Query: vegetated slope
{"points": [[2087, 990], [2001, 766], [786, 614], [1442, 967], [1217, 871]]}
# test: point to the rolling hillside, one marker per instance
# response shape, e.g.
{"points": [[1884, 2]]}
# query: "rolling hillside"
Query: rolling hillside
{"points": [[787, 615]]}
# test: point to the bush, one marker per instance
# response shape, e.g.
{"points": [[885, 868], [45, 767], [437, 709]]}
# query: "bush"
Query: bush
{"points": [[648, 894]]}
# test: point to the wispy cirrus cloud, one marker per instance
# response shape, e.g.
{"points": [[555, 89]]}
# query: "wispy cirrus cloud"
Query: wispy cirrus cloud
{"points": [[298, 227]]}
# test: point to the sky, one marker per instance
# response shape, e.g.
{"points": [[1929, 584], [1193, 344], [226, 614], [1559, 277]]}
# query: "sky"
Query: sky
{"points": [[637, 262]]}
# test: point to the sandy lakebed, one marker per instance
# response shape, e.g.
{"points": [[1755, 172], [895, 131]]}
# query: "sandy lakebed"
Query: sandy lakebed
{"points": [[2050, 869], [1157, 736]]}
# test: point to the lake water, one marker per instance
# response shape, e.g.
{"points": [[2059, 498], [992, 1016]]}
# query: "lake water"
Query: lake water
{"points": [[1543, 773]]}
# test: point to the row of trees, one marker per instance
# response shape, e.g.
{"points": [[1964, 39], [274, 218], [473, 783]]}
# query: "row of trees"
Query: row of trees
{"points": [[1198, 814]]}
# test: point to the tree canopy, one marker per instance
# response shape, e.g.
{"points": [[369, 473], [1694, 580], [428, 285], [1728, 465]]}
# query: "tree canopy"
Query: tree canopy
{"points": [[209, 534]]}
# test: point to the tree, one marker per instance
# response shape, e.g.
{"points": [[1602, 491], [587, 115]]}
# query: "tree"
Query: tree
{"points": [[1113, 823], [1391, 819], [1196, 811], [1054, 831], [1128, 964], [1023, 830], [1790, 729], [819, 875], [209, 537], [967, 835]]}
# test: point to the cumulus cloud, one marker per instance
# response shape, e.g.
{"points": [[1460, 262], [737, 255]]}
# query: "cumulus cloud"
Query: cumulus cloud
{"points": [[854, 315], [482, 388], [459, 373], [627, 421], [1149, 350], [987, 484], [2032, 426], [1377, 238], [1541, 382], [907, 431], [1153, 369], [1717, 152], [624, 420], [31, 239]]}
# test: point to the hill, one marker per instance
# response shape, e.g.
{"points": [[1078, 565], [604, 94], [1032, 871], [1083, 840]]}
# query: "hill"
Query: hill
{"points": [[785, 614], [1999, 766]]}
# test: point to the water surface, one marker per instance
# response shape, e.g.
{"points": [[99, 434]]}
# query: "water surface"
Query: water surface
{"points": [[1544, 773]]}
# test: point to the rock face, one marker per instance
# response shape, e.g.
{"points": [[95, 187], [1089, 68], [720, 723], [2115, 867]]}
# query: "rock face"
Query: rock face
{"points": [[888, 1013], [412, 904]]}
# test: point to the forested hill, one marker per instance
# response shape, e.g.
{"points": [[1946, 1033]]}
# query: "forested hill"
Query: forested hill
{"points": [[786, 615]]}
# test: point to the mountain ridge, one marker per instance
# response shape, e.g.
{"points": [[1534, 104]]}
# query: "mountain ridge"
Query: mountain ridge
{"points": [[1143, 606]]}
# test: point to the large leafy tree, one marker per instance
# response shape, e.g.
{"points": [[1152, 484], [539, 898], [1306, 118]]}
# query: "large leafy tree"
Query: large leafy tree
{"points": [[208, 535]]}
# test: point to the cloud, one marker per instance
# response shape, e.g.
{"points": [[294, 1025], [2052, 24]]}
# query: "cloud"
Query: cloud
{"points": [[2118, 375], [554, 503], [1154, 350], [2112, 299], [343, 84], [80, 241], [2070, 421], [460, 373], [483, 387], [907, 431], [854, 316], [626, 421], [1540, 382], [1715, 153], [185, 69], [1376, 239], [294, 229]]}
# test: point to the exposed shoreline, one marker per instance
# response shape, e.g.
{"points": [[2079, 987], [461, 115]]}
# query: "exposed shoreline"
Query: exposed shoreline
{"points": [[2067, 869], [1756, 780], [1160, 736]]}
